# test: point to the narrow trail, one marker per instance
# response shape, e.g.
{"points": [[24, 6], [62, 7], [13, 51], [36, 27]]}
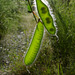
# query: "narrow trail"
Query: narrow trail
{"points": [[14, 45]]}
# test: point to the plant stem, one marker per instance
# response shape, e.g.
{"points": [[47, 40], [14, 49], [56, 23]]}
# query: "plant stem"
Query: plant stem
{"points": [[61, 69], [32, 10], [58, 69]]}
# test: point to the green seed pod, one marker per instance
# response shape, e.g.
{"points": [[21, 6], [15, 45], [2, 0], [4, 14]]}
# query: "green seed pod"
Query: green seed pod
{"points": [[35, 45], [45, 16]]}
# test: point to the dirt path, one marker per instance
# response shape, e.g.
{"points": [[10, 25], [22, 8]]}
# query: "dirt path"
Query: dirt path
{"points": [[14, 45]]}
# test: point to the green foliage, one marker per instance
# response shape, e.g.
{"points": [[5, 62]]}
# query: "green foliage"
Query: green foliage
{"points": [[64, 48], [29, 9], [9, 15], [52, 51]]}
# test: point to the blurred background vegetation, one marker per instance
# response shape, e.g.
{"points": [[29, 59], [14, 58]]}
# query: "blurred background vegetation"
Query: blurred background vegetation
{"points": [[57, 55]]}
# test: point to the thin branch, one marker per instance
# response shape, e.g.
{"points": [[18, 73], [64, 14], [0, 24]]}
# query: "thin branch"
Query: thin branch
{"points": [[32, 10]]}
